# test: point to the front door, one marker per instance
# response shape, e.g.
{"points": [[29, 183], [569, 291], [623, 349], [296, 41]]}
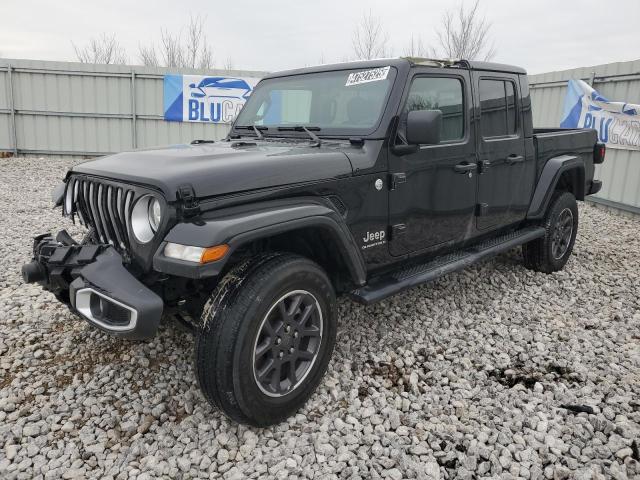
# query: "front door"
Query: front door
{"points": [[433, 191], [503, 166]]}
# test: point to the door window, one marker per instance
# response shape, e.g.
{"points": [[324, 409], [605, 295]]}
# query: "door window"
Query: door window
{"points": [[498, 110], [439, 93]]}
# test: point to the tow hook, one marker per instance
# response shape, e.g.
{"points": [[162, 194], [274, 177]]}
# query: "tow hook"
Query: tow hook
{"points": [[33, 272]]}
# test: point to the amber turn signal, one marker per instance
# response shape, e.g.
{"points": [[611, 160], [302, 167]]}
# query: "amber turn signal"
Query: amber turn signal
{"points": [[211, 254]]}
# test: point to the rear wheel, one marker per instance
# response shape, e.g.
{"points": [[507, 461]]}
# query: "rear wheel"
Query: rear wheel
{"points": [[551, 252], [267, 335]]}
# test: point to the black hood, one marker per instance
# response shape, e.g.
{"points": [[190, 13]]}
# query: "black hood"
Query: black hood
{"points": [[222, 168]]}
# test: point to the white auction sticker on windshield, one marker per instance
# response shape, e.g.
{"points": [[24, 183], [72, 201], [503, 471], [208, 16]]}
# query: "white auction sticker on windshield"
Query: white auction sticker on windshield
{"points": [[367, 76]]}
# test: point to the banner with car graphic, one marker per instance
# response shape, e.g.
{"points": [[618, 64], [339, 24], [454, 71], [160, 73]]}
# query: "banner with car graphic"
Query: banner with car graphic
{"points": [[201, 98], [617, 123]]}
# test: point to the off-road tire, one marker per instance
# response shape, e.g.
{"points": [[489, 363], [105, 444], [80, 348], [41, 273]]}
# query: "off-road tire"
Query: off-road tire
{"points": [[539, 254], [231, 322]]}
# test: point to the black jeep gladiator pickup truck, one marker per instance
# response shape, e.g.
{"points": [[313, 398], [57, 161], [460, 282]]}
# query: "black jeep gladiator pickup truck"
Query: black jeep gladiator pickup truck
{"points": [[363, 178]]}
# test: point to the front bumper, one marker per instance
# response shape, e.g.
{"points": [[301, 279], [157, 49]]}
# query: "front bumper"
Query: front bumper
{"points": [[93, 281]]}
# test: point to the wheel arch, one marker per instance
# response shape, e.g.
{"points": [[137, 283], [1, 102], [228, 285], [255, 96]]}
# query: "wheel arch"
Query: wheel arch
{"points": [[564, 172], [306, 226], [315, 239]]}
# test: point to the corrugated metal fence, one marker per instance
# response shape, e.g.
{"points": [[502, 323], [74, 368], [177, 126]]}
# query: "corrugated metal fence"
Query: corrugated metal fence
{"points": [[64, 108], [620, 174]]}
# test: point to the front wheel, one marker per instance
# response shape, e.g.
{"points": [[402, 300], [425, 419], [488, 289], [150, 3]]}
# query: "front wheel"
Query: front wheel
{"points": [[266, 338], [551, 252]]}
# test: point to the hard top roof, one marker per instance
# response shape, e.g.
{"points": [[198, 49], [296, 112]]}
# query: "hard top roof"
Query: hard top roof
{"points": [[404, 62]]}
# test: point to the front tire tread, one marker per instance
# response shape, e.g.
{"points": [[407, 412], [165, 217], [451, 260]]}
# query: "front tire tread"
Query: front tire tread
{"points": [[226, 324]]}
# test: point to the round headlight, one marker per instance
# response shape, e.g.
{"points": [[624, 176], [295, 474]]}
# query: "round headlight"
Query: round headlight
{"points": [[155, 214], [68, 198], [145, 218]]}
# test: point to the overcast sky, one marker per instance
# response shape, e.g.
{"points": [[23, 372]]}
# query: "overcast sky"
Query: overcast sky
{"points": [[540, 35]]}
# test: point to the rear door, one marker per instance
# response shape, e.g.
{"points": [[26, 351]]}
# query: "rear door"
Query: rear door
{"points": [[502, 179]]}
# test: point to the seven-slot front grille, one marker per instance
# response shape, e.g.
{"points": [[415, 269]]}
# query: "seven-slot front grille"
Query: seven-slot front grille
{"points": [[104, 206]]}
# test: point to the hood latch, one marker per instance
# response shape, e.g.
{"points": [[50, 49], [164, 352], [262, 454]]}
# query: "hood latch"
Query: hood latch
{"points": [[190, 205]]}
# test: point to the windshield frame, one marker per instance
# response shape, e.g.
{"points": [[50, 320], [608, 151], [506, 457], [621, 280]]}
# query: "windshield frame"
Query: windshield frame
{"points": [[377, 130]]}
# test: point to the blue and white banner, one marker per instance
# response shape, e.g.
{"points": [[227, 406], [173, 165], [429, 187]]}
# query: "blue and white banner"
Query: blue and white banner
{"points": [[617, 123], [199, 98]]}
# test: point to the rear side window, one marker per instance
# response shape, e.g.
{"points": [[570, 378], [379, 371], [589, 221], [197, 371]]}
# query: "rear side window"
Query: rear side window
{"points": [[439, 93], [498, 112]]}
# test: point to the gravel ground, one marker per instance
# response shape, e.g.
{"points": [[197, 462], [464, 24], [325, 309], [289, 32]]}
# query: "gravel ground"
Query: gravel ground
{"points": [[476, 375]]}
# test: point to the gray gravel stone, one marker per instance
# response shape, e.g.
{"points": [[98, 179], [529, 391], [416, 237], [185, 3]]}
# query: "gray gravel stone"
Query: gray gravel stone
{"points": [[465, 377]]}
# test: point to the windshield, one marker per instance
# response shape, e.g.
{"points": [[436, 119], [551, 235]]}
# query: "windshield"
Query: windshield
{"points": [[337, 102]]}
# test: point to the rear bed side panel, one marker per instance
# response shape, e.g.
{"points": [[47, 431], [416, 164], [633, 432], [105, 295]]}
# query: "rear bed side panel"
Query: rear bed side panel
{"points": [[550, 143], [559, 151]]}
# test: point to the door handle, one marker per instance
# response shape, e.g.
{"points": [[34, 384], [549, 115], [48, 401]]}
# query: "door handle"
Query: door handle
{"points": [[512, 159], [465, 167]]}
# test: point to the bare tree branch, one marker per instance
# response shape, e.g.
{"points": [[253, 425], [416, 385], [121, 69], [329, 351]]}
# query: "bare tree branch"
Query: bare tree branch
{"points": [[415, 48], [228, 64], [104, 50], [148, 56], [205, 62], [198, 52], [369, 38], [194, 37], [465, 35], [194, 52], [171, 50]]}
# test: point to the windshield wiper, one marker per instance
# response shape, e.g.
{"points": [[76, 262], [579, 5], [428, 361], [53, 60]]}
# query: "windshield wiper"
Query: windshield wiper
{"points": [[302, 128], [256, 128]]}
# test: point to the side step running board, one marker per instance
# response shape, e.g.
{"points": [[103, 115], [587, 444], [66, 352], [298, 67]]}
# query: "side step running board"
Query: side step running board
{"points": [[391, 283]]}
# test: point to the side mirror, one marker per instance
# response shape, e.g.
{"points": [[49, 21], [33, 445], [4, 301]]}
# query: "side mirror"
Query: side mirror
{"points": [[424, 127]]}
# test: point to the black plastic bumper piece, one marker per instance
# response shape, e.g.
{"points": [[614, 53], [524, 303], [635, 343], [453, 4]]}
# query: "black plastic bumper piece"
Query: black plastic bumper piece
{"points": [[595, 187], [107, 279], [99, 287]]}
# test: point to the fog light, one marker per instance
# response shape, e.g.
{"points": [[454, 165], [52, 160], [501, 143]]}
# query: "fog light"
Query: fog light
{"points": [[195, 254]]}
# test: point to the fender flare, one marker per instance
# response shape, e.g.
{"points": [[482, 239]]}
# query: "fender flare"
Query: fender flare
{"points": [[551, 173], [236, 226]]}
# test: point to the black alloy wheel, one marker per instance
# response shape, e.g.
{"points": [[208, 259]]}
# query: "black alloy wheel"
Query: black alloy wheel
{"points": [[287, 343], [562, 232], [551, 252]]}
